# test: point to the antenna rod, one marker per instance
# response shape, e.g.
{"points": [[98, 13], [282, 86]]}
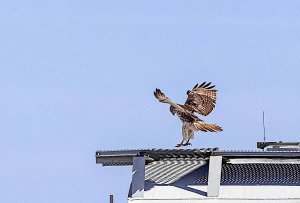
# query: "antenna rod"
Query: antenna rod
{"points": [[264, 126], [111, 198]]}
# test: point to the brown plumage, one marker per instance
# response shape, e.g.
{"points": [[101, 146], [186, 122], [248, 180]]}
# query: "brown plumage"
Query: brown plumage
{"points": [[201, 99]]}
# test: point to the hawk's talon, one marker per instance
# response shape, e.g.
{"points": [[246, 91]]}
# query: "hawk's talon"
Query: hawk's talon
{"points": [[179, 145], [187, 144]]}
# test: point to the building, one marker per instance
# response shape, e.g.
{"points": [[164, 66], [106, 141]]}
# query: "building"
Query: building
{"points": [[271, 174]]}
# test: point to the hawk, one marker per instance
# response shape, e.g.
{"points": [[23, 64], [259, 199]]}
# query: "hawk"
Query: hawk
{"points": [[202, 100]]}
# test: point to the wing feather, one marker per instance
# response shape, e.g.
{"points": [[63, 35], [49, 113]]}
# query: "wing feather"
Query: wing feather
{"points": [[202, 98], [162, 98]]}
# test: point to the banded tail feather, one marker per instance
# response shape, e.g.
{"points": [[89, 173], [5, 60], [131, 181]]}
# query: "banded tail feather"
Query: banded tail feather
{"points": [[202, 126]]}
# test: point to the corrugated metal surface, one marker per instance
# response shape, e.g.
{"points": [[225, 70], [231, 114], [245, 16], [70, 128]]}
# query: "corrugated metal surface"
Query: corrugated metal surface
{"points": [[158, 154], [169, 171], [124, 157], [128, 163], [162, 152]]}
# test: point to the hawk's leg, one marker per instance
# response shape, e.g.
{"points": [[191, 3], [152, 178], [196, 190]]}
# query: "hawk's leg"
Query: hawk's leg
{"points": [[184, 133], [190, 135]]}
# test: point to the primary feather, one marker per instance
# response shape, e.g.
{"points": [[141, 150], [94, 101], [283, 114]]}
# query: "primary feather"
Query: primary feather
{"points": [[202, 99]]}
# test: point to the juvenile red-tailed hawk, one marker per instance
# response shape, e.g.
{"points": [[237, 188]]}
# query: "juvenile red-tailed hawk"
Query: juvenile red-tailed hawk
{"points": [[202, 100]]}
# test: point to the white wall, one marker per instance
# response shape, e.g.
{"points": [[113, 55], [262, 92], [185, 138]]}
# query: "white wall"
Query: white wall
{"points": [[194, 194]]}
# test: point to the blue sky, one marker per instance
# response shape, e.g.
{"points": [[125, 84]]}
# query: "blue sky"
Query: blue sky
{"points": [[79, 76]]}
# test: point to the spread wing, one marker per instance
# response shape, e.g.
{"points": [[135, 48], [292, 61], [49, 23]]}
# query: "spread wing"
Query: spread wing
{"points": [[162, 98], [202, 99]]}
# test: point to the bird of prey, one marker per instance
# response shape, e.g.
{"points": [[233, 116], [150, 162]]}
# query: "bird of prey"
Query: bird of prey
{"points": [[202, 100]]}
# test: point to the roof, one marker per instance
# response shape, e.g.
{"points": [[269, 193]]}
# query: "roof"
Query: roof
{"points": [[124, 157], [182, 175]]}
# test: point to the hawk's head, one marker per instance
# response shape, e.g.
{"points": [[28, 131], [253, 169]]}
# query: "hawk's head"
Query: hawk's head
{"points": [[172, 110]]}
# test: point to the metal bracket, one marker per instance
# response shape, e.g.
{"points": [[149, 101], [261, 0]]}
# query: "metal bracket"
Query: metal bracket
{"points": [[214, 176], [138, 176]]}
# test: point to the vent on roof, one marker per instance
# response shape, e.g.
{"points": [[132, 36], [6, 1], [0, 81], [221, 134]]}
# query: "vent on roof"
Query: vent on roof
{"points": [[279, 146]]}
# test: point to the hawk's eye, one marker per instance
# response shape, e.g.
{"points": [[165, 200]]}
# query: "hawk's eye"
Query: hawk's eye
{"points": [[188, 92]]}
